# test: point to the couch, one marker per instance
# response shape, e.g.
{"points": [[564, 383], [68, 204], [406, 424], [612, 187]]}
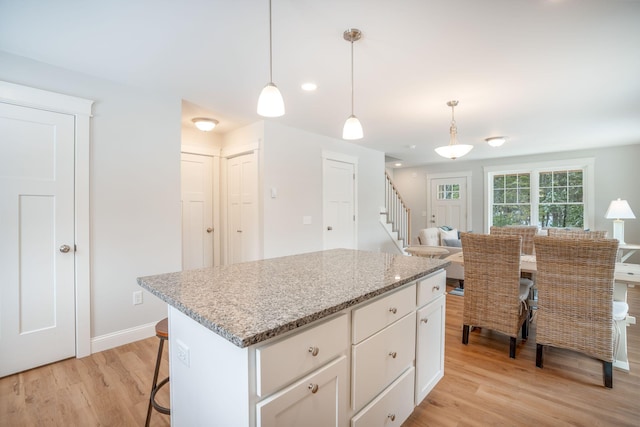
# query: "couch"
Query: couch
{"points": [[447, 238]]}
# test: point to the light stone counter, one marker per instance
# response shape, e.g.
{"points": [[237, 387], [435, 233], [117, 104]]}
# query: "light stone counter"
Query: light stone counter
{"points": [[251, 302]]}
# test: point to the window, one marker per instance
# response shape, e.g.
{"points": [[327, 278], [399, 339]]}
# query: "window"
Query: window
{"points": [[555, 194], [448, 191]]}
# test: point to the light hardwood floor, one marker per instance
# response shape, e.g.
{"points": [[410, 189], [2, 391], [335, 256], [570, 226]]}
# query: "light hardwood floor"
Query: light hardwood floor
{"points": [[481, 386]]}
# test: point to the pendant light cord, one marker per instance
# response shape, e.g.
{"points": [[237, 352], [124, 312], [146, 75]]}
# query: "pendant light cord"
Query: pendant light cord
{"points": [[270, 48], [352, 77]]}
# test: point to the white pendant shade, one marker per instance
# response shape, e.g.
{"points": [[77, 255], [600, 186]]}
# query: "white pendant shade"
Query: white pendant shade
{"points": [[352, 129], [270, 102], [454, 151]]}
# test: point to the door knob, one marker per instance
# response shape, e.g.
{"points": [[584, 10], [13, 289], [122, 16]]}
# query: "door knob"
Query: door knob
{"points": [[65, 248], [329, 228], [209, 230]]}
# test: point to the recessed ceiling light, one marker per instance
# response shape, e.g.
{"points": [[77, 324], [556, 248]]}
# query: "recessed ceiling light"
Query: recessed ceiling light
{"points": [[496, 141], [309, 87], [398, 164], [412, 146]]}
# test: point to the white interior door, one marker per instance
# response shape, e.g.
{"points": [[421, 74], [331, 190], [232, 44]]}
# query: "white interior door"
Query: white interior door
{"points": [[339, 204], [449, 203], [242, 195], [37, 301], [197, 211]]}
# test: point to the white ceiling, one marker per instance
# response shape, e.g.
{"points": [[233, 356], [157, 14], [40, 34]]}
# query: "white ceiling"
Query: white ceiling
{"points": [[551, 75]]}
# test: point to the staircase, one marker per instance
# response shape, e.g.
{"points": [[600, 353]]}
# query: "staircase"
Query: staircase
{"points": [[396, 217]]}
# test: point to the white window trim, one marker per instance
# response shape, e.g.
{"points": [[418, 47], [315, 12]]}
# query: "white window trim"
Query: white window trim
{"points": [[588, 179]]}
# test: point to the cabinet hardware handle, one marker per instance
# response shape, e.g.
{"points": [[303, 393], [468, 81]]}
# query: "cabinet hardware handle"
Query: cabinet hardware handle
{"points": [[393, 354], [393, 310], [436, 288], [238, 231], [314, 351], [424, 320], [209, 230], [313, 387], [392, 417]]}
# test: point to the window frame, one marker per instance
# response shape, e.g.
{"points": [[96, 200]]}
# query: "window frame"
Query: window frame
{"points": [[534, 169]]}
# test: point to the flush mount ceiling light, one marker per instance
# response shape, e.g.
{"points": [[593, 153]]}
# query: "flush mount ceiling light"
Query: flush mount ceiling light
{"points": [[309, 87], [205, 124], [496, 141], [352, 128], [270, 102], [453, 150]]}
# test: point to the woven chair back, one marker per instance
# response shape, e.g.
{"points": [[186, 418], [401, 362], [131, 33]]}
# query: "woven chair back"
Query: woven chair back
{"points": [[577, 234], [575, 294], [492, 282], [527, 232]]}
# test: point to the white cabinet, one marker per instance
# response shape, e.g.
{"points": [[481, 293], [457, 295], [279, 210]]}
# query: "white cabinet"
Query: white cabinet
{"points": [[380, 359], [318, 400], [430, 322]]}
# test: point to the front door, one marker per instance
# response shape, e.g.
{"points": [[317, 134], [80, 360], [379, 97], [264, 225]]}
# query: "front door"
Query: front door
{"points": [[37, 300], [449, 203], [339, 204]]}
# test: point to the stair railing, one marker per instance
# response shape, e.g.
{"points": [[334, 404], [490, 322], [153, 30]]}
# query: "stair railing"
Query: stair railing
{"points": [[398, 214]]}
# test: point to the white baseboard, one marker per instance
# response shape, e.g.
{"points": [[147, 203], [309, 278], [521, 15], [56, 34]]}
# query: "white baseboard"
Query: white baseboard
{"points": [[125, 336]]}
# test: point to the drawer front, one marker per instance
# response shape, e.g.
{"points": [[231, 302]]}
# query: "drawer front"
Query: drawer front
{"points": [[318, 400], [390, 408], [281, 362], [431, 287], [377, 315], [380, 359]]}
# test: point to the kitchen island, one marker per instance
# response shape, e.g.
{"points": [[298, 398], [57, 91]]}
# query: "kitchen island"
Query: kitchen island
{"points": [[312, 339]]}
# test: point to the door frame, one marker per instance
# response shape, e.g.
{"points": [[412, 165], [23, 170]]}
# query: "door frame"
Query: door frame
{"points": [[81, 110], [462, 174]]}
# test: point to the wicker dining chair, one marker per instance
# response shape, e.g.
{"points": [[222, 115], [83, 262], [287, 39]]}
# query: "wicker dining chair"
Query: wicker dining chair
{"points": [[527, 232], [493, 296], [575, 298], [577, 234]]}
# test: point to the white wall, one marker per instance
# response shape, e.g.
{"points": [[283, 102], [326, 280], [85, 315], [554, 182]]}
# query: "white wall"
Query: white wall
{"points": [[291, 162], [616, 175], [134, 192]]}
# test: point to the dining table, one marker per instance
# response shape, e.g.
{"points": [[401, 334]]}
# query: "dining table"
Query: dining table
{"points": [[625, 276]]}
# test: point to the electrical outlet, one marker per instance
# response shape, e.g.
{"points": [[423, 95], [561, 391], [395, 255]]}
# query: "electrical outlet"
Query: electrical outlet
{"points": [[182, 352], [137, 298]]}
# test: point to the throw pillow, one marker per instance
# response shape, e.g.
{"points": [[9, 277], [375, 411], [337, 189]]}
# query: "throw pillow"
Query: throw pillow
{"points": [[455, 243]]}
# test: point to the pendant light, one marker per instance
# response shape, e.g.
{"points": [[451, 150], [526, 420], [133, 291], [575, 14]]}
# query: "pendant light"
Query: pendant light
{"points": [[270, 102], [453, 150], [352, 128]]}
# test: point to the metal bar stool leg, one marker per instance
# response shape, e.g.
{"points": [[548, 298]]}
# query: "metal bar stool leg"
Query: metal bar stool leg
{"points": [[163, 334]]}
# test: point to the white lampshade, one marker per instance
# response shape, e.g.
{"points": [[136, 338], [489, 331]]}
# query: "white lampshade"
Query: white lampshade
{"points": [[454, 151], [619, 209], [205, 124], [270, 102], [352, 129]]}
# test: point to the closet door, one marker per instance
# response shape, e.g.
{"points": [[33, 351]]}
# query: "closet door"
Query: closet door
{"points": [[197, 211], [242, 202]]}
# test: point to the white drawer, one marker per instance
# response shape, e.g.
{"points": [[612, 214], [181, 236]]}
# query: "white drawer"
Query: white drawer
{"points": [[279, 363], [380, 359], [390, 408], [431, 287], [374, 316]]}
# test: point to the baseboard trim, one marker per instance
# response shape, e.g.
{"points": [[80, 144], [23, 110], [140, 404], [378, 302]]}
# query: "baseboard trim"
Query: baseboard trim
{"points": [[125, 336]]}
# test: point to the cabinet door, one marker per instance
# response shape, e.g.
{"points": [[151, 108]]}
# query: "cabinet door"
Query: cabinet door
{"points": [[318, 400], [429, 347]]}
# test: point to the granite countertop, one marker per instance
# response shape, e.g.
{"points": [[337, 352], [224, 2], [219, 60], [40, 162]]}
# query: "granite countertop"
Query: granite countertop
{"points": [[250, 302]]}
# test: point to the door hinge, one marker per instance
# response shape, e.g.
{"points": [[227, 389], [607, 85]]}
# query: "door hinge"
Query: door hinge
{"points": [[354, 217], [354, 176]]}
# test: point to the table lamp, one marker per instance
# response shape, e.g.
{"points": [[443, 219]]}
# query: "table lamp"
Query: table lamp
{"points": [[619, 210]]}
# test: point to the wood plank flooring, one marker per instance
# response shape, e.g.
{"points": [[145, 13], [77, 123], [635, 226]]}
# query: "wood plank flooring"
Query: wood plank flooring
{"points": [[481, 386]]}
